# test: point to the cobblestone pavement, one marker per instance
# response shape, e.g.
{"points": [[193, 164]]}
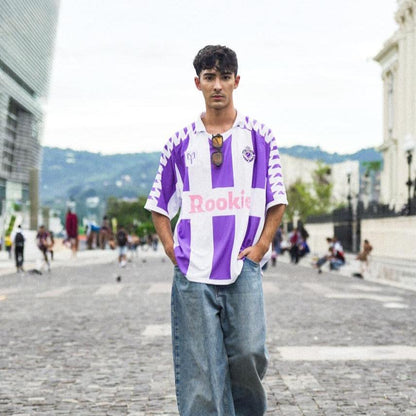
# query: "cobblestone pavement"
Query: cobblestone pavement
{"points": [[77, 342]]}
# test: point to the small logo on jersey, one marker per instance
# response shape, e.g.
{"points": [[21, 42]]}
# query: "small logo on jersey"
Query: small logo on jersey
{"points": [[248, 154], [190, 158]]}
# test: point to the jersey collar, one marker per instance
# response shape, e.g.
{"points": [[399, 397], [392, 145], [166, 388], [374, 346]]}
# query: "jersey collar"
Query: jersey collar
{"points": [[200, 128]]}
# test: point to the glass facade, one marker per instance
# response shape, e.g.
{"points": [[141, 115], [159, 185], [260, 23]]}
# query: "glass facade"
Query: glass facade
{"points": [[27, 35]]}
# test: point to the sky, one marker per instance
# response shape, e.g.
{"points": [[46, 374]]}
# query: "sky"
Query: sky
{"points": [[122, 79]]}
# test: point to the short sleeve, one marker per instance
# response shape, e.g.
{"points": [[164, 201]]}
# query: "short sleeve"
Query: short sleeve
{"points": [[276, 191], [163, 197]]}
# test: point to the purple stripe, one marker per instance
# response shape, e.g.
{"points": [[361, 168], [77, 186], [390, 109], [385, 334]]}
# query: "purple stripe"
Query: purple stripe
{"points": [[252, 226], [181, 163], [183, 250], [269, 193], [261, 161], [168, 187], [224, 232], [223, 176]]}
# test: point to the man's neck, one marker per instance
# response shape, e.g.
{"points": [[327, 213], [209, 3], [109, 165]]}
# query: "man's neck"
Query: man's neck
{"points": [[219, 121]]}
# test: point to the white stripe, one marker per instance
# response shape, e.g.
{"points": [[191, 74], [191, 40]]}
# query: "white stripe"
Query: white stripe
{"points": [[360, 353], [54, 292], [152, 331], [200, 183], [107, 290]]}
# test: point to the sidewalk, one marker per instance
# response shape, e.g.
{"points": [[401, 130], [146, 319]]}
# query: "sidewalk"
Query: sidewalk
{"points": [[63, 257], [389, 271], [394, 272]]}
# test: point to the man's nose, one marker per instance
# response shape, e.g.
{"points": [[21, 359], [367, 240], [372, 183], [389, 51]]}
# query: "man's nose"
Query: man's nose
{"points": [[217, 84]]}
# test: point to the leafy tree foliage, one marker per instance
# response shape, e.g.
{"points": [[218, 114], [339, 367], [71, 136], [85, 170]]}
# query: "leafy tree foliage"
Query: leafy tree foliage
{"points": [[372, 166], [311, 199], [323, 189], [300, 200], [131, 214]]}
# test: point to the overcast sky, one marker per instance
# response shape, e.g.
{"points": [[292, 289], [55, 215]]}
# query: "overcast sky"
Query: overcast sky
{"points": [[122, 79]]}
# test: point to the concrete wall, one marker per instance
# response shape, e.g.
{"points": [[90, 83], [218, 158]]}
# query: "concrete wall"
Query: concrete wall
{"points": [[390, 237], [317, 237]]}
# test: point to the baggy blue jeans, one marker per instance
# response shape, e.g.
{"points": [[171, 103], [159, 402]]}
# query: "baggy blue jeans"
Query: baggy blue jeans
{"points": [[218, 340]]}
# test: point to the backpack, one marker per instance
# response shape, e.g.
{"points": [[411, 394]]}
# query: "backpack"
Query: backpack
{"points": [[121, 238], [340, 256], [19, 240]]}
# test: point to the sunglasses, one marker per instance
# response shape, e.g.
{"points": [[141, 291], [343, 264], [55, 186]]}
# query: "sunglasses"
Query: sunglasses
{"points": [[216, 157]]}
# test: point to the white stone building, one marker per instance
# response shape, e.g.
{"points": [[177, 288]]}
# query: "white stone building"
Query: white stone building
{"points": [[398, 64]]}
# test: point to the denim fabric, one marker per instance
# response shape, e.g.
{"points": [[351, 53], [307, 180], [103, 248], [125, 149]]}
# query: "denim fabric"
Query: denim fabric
{"points": [[218, 337], [336, 264]]}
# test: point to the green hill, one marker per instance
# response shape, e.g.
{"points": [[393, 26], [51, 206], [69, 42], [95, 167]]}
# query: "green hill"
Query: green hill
{"points": [[69, 174]]}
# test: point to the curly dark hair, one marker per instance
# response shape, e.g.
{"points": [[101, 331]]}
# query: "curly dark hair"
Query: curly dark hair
{"points": [[218, 57]]}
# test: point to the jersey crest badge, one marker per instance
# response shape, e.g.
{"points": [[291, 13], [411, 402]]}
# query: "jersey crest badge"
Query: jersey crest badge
{"points": [[248, 154]]}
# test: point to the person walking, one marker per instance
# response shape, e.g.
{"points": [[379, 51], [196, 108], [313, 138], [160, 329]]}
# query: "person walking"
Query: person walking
{"points": [[43, 243], [19, 246], [363, 256], [8, 242], [122, 240], [71, 227], [223, 173], [276, 245]]}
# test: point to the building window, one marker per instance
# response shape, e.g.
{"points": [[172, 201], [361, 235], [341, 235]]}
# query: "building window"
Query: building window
{"points": [[390, 104], [10, 139]]}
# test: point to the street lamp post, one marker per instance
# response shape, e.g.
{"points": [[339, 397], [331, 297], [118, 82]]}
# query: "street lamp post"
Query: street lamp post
{"points": [[351, 241], [409, 145], [349, 196]]}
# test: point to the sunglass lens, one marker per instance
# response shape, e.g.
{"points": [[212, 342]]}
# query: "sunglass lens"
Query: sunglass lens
{"points": [[217, 158], [217, 141]]}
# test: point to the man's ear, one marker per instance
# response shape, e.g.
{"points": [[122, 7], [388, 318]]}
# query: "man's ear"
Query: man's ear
{"points": [[237, 81], [197, 82]]}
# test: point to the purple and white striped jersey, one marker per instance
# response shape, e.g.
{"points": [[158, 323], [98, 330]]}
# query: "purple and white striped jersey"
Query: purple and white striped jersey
{"points": [[222, 209]]}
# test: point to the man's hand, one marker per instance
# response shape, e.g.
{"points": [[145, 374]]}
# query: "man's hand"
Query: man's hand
{"points": [[164, 231], [255, 253], [170, 252], [273, 219]]}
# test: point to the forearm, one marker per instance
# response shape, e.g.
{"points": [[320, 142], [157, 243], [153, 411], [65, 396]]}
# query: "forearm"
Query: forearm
{"points": [[164, 231], [273, 219]]}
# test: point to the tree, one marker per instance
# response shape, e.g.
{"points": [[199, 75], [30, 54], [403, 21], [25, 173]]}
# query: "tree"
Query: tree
{"points": [[372, 166], [322, 188], [311, 199], [131, 213], [300, 200]]}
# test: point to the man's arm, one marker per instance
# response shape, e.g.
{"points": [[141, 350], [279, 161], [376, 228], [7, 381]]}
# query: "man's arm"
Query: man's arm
{"points": [[164, 231], [273, 219]]}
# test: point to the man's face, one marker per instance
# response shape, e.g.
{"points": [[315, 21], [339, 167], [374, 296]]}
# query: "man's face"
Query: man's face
{"points": [[217, 88]]}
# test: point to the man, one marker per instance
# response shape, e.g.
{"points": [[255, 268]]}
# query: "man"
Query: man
{"points": [[335, 256], [223, 172], [121, 238], [43, 243], [71, 227], [19, 247]]}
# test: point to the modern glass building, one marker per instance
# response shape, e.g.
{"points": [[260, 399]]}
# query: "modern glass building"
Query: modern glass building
{"points": [[27, 35]]}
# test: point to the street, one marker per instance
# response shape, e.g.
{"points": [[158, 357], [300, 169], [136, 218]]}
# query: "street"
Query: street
{"points": [[77, 342]]}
